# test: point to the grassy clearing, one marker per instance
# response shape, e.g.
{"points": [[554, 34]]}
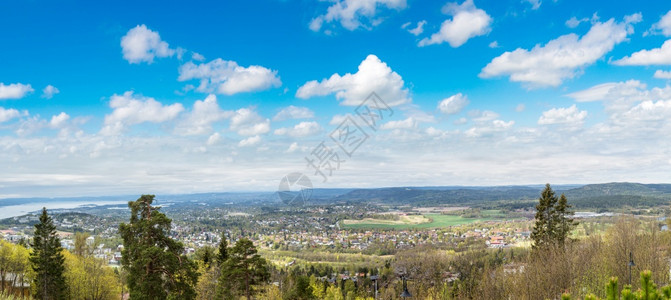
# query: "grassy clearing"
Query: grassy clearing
{"points": [[403, 220], [435, 221], [492, 213]]}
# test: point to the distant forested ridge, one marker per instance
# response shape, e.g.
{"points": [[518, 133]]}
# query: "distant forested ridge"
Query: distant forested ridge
{"points": [[591, 196]]}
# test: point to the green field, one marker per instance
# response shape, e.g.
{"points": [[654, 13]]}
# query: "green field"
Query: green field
{"points": [[436, 221]]}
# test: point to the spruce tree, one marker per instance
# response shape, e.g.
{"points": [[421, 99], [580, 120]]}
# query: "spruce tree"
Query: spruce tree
{"points": [[222, 256], [156, 265], [564, 220], [543, 228], [553, 220], [206, 255], [47, 261]]}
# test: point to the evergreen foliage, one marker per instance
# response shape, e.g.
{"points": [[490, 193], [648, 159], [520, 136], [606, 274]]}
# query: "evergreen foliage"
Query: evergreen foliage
{"points": [[243, 269], [553, 223], [47, 261], [156, 265]]}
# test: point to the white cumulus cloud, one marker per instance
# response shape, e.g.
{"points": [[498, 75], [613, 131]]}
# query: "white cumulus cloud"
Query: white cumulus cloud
{"points": [[535, 4], [483, 116], [141, 44], [202, 116], [7, 114], [338, 119], [617, 96], [58, 121], [197, 56], [293, 147], [467, 22], [294, 112], [663, 26], [607, 90], [488, 128], [228, 78], [353, 14], [49, 91], [453, 104], [569, 115], [419, 29], [373, 75], [656, 56], [661, 74], [248, 122], [250, 141], [14, 90], [130, 109], [649, 110], [214, 139], [407, 123], [300, 130], [573, 22], [562, 58], [631, 106]]}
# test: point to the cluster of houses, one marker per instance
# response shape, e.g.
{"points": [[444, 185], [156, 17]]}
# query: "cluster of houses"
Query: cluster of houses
{"points": [[499, 239], [399, 239]]}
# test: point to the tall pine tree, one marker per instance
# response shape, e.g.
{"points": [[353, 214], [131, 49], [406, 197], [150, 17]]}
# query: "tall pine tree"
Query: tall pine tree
{"points": [[47, 261], [243, 269], [553, 220], [156, 265]]}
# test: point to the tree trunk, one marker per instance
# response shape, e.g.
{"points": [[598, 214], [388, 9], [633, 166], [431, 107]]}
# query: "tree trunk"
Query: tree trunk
{"points": [[249, 297], [11, 288], [23, 294], [2, 274]]}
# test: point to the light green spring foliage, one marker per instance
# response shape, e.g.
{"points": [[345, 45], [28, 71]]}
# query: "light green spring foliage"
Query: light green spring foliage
{"points": [[666, 292], [89, 278], [611, 289], [4, 296], [317, 286], [627, 294], [14, 259], [206, 288], [85, 276], [648, 290], [333, 293]]}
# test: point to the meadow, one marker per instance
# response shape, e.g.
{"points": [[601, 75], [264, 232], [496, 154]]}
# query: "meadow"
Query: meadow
{"points": [[428, 221]]}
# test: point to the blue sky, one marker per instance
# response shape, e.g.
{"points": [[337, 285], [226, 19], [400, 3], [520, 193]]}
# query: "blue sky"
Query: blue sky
{"points": [[177, 97]]}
